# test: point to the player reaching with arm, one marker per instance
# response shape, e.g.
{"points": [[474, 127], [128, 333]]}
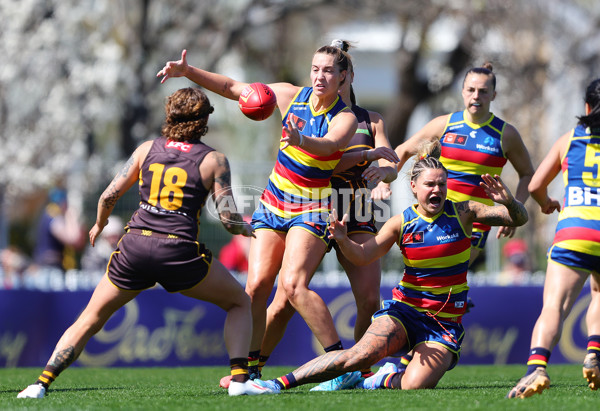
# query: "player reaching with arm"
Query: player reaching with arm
{"points": [[427, 306], [177, 173], [350, 186], [475, 142], [290, 222]]}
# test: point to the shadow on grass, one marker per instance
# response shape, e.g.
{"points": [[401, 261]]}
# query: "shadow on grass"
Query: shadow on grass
{"points": [[67, 390]]}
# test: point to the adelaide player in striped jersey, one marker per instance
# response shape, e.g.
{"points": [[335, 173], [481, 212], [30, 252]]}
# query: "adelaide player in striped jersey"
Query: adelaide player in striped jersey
{"points": [[475, 142], [425, 312], [290, 223], [574, 255]]}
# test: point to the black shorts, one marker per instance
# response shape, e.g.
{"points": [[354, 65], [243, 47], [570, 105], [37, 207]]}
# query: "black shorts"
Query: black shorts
{"points": [[359, 207], [142, 260]]}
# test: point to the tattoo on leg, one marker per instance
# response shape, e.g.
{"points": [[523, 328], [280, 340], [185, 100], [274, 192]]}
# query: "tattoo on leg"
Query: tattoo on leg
{"points": [[62, 359], [384, 337]]}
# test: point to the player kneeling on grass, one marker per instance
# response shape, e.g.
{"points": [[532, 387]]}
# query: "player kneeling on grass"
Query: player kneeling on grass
{"points": [[425, 312], [176, 172]]}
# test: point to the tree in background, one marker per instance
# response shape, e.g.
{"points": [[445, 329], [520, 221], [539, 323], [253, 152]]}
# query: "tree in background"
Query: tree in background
{"points": [[78, 90]]}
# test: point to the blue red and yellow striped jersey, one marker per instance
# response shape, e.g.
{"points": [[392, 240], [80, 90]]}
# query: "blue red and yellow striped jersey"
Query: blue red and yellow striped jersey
{"points": [[436, 255], [300, 181], [578, 227], [468, 151]]}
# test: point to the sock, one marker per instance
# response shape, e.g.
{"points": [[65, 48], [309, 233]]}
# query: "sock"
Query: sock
{"points": [[239, 369], [366, 372], [382, 381], [48, 376], [538, 357], [253, 357], [387, 381], [262, 360], [593, 345], [334, 347], [404, 360], [286, 382]]}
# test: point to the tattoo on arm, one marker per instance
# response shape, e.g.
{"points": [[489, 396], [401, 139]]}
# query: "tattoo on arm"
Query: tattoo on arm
{"points": [[224, 200], [513, 214], [127, 166], [224, 176], [110, 196]]}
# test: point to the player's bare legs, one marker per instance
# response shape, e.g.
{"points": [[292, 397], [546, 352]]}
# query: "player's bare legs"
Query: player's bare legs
{"points": [[222, 289], [266, 255], [591, 363], [384, 337], [303, 253], [429, 364], [364, 281], [105, 300], [279, 313], [561, 288]]}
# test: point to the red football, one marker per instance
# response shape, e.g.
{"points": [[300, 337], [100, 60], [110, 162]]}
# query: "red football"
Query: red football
{"points": [[257, 101]]}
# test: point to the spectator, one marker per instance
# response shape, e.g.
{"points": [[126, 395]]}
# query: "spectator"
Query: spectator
{"points": [[14, 263], [59, 234], [517, 267]]}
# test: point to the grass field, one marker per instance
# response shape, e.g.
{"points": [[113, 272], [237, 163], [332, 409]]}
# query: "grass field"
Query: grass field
{"points": [[194, 388]]}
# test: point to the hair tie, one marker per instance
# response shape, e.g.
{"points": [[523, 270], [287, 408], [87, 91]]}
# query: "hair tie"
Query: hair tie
{"points": [[423, 156], [338, 43]]}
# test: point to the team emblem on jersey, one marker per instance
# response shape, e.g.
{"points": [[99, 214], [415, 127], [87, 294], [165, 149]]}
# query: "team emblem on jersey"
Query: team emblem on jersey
{"points": [[453, 138], [413, 238], [179, 145], [300, 122]]}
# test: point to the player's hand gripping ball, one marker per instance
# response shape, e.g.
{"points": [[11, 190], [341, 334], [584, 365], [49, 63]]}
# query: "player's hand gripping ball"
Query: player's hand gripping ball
{"points": [[257, 101]]}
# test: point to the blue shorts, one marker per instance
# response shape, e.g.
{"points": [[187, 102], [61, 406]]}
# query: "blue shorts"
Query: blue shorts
{"points": [[479, 238], [574, 259], [314, 223], [420, 328]]}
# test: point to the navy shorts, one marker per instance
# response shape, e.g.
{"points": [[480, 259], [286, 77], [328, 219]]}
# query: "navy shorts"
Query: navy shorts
{"points": [[421, 328], [574, 259], [142, 260]]}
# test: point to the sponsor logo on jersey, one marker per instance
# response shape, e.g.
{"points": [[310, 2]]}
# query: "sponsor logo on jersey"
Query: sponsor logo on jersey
{"points": [[179, 145], [300, 122], [459, 304], [453, 138], [413, 238], [587, 196], [447, 238], [473, 134], [489, 149]]}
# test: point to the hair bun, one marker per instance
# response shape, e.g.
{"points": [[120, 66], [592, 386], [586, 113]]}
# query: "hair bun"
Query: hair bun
{"points": [[340, 44]]}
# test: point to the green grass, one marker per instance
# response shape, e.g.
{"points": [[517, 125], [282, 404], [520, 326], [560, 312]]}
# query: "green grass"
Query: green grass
{"points": [[194, 388]]}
